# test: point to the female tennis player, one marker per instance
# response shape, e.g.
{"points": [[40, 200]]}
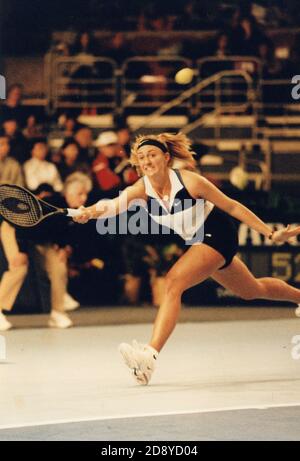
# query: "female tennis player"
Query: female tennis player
{"points": [[155, 157]]}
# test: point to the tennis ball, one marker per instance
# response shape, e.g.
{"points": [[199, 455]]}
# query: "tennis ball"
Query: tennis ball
{"points": [[97, 263], [184, 76]]}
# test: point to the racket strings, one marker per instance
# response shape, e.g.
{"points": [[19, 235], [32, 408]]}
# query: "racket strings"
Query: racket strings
{"points": [[19, 207]]}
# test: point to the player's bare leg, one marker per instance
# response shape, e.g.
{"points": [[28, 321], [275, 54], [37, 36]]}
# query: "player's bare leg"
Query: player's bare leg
{"points": [[237, 278], [196, 265]]}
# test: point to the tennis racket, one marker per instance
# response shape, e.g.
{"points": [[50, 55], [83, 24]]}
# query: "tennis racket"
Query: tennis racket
{"points": [[21, 208]]}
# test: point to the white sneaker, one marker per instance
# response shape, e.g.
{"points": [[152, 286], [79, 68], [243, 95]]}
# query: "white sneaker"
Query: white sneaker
{"points": [[297, 311], [59, 320], [141, 359], [4, 323], [70, 304]]}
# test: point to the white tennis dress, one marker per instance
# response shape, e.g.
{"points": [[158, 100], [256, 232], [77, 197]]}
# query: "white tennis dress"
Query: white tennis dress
{"points": [[182, 213]]}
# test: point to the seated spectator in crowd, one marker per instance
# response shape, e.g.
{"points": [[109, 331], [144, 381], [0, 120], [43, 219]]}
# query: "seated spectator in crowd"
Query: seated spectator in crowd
{"points": [[52, 241], [222, 48], [68, 124], [84, 139], [271, 67], [33, 129], [69, 162], [104, 164], [111, 167], [275, 95], [124, 137], [10, 169], [85, 242], [189, 19], [39, 171], [18, 143], [119, 50], [84, 67], [157, 21], [84, 44], [246, 37], [84, 50], [130, 175], [12, 107]]}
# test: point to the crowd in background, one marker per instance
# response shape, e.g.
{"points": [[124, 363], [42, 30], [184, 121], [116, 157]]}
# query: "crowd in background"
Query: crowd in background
{"points": [[243, 36], [26, 157], [114, 15], [81, 171]]}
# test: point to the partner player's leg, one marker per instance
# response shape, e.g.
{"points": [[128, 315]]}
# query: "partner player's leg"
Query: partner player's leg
{"points": [[13, 278], [237, 278], [56, 268]]}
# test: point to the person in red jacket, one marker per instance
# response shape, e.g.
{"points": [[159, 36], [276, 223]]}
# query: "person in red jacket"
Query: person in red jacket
{"points": [[111, 167]]}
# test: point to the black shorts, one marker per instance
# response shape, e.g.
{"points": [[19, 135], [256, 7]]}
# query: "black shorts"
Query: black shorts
{"points": [[221, 233]]}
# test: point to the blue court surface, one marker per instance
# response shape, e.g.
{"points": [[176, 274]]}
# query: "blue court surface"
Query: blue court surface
{"points": [[215, 380]]}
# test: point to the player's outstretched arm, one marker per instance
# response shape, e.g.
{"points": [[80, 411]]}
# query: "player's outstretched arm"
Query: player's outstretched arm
{"points": [[108, 208], [202, 188]]}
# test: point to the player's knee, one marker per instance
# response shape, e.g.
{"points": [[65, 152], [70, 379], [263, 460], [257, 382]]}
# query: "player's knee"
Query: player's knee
{"points": [[252, 292], [173, 285], [261, 288]]}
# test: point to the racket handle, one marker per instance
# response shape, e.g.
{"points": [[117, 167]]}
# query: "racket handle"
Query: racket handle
{"points": [[72, 213]]}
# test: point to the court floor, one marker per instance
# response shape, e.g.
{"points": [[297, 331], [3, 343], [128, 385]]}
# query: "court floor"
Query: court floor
{"points": [[212, 380]]}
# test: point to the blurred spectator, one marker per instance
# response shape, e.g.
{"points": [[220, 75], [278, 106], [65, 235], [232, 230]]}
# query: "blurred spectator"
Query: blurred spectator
{"points": [[68, 123], [76, 191], [83, 69], [84, 50], [112, 167], [32, 129], [84, 43], [222, 48], [119, 50], [156, 17], [18, 144], [189, 19], [271, 66], [12, 107], [246, 37], [39, 171], [10, 169], [129, 174], [109, 155], [62, 49], [157, 22], [84, 139], [69, 162], [124, 137], [292, 64]]}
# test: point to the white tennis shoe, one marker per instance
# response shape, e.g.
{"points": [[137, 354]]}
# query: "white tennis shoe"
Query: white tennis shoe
{"points": [[70, 304], [59, 320], [4, 323], [297, 311], [141, 359]]}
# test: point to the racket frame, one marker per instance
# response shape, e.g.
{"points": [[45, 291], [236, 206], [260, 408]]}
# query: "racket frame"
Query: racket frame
{"points": [[56, 211]]}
